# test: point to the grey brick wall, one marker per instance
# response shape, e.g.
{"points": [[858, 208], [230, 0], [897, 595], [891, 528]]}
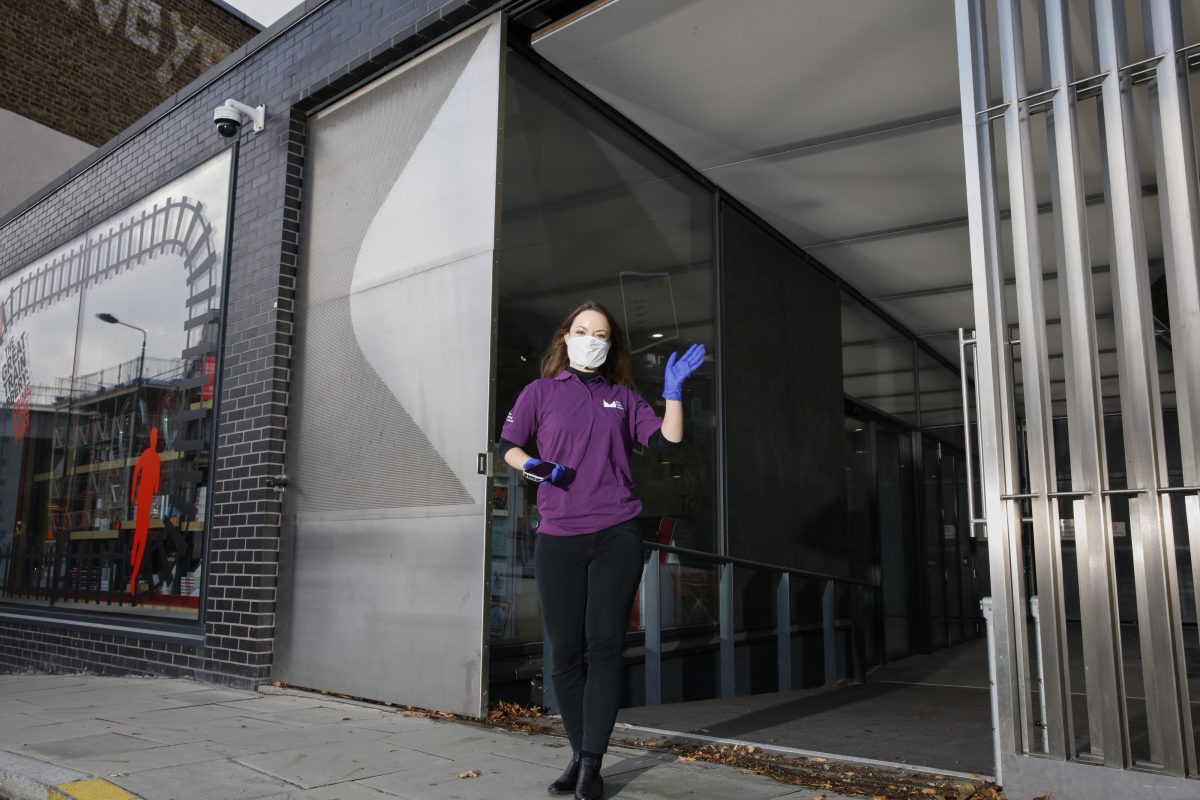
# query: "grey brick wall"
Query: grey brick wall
{"points": [[318, 52]]}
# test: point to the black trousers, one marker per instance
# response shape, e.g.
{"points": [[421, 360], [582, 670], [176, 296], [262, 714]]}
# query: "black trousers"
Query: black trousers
{"points": [[586, 585]]}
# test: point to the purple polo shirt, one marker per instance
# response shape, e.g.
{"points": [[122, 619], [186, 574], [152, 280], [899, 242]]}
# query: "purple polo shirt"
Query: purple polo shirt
{"points": [[589, 428]]}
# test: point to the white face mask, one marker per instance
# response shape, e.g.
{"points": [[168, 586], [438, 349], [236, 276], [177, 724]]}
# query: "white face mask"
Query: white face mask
{"points": [[587, 351]]}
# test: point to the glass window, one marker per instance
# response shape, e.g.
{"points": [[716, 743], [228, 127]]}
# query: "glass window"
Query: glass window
{"points": [[877, 362], [110, 348], [590, 213], [941, 395]]}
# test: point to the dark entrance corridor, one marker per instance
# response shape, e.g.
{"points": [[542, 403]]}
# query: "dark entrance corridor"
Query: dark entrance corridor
{"points": [[928, 712]]}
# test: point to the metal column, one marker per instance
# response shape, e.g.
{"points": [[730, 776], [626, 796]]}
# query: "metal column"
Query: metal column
{"points": [[829, 632], [783, 633], [728, 659], [995, 402], [1161, 636], [1089, 476], [1065, 773], [652, 622], [1175, 164], [1035, 371]]}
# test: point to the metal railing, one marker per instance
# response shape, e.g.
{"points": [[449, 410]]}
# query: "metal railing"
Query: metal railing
{"points": [[652, 618]]}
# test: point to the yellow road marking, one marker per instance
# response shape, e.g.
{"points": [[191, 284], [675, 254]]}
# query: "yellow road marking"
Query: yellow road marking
{"points": [[91, 789]]}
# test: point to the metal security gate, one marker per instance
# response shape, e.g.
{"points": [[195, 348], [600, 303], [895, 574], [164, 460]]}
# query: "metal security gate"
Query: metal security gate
{"points": [[1088, 413], [384, 553]]}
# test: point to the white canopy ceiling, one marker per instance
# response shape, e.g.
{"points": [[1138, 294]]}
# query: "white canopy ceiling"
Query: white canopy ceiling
{"points": [[838, 122]]}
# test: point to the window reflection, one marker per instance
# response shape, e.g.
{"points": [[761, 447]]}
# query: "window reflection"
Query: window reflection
{"points": [[589, 213], [110, 349], [877, 362]]}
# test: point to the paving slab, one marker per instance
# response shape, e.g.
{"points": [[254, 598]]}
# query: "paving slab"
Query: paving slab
{"points": [[117, 707], [451, 740], [20, 720], [177, 717], [58, 731], [65, 751], [207, 780], [391, 722], [201, 696], [339, 791], [694, 781], [441, 781], [180, 740], [119, 764], [263, 704], [309, 769], [546, 751], [261, 736], [316, 715]]}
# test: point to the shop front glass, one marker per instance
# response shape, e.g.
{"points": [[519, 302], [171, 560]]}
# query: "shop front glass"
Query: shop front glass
{"points": [[590, 213], [109, 348], [877, 362]]}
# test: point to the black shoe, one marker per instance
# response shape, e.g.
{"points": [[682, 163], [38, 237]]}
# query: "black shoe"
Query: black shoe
{"points": [[566, 782], [589, 786]]}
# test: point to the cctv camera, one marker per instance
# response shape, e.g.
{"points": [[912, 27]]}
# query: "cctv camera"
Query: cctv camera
{"points": [[229, 117], [227, 126]]}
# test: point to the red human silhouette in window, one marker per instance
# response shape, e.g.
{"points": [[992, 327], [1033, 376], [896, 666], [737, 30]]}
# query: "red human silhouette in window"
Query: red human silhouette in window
{"points": [[143, 487]]}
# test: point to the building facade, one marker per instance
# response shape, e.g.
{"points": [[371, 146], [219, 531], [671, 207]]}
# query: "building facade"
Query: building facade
{"points": [[252, 382], [77, 74]]}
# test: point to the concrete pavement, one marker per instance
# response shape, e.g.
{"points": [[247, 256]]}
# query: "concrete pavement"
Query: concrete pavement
{"points": [[95, 738]]}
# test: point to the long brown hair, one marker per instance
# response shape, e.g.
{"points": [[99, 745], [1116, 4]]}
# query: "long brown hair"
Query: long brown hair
{"points": [[617, 367]]}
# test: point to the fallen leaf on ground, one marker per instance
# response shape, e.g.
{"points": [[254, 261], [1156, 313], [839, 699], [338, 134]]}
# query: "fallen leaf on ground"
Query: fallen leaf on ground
{"points": [[471, 773]]}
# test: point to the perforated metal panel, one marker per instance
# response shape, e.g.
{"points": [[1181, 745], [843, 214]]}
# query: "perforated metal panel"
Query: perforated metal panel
{"points": [[383, 562]]}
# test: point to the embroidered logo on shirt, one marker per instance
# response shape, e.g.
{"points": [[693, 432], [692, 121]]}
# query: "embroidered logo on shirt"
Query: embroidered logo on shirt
{"points": [[614, 404], [509, 418]]}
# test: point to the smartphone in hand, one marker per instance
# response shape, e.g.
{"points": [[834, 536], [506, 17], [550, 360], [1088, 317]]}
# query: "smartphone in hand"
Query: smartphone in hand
{"points": [[540, 472]]}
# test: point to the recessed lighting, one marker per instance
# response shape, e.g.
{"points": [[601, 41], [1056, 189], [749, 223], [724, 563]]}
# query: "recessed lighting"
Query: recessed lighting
{"points": [[523, 358], [656, 336]]}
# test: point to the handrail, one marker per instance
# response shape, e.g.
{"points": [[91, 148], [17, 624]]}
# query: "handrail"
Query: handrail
{"points": [[745, 562], [652, 620]]}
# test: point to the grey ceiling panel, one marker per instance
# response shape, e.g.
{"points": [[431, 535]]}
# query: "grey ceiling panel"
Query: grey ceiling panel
{"points": [[835, 121]]}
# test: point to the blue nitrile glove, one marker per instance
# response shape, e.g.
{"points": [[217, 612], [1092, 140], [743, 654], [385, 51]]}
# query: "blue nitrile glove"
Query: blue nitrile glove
{"points": [[678, 370], [555, 476]]}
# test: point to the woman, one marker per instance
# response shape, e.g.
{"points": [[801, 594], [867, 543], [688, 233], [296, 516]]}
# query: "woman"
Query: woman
{"points": [[585, 416]]}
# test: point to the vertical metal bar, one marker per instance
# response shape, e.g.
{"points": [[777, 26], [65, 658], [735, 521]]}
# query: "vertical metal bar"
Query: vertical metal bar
{"points": [[1036, 611], [783, 633], [995, 403], [1175, 164], [1168, 711], [916, 379], [652, 623], [985, 606], [858, 634], [728, 682], [1093, 535], [721, 441], [1055, 696], [921, 545], [828, 632], [967, 435]]}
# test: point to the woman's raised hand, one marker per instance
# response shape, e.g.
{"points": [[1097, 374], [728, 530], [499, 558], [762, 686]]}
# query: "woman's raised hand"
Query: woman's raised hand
{"points": [[679, 368]]}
